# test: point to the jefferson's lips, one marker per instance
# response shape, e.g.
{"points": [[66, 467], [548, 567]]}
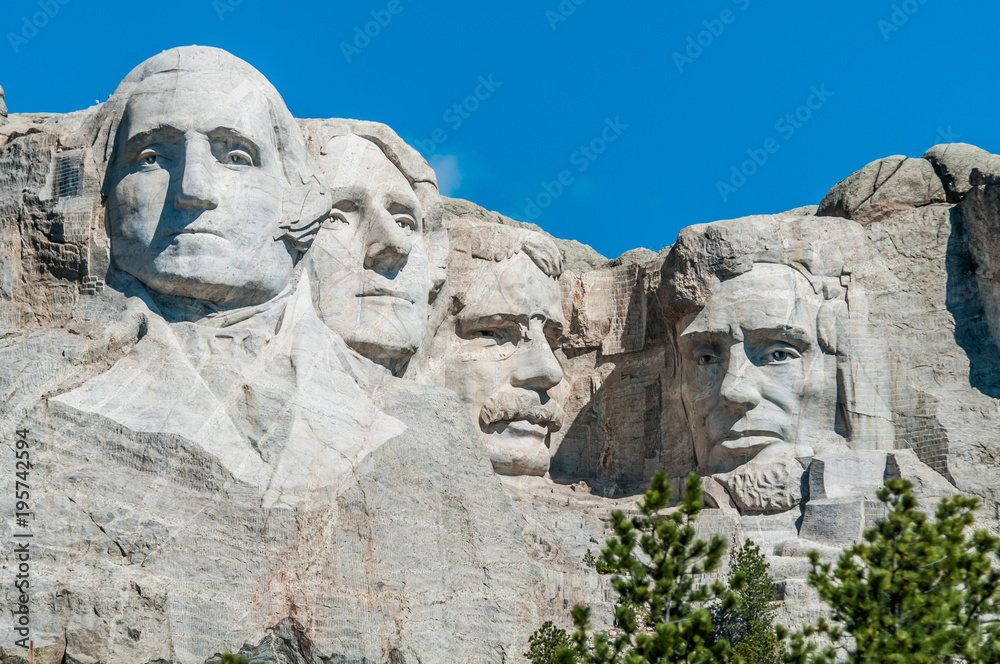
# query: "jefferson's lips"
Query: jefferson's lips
{"points": [[393, 294], [194, 231], [734, 436]]}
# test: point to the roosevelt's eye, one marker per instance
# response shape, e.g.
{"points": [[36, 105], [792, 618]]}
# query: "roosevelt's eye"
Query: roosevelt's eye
{"points": [[780, 354], [336, 220]]}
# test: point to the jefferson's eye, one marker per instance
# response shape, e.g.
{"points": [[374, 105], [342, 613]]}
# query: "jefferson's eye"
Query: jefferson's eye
{"points": [[406, 222]]}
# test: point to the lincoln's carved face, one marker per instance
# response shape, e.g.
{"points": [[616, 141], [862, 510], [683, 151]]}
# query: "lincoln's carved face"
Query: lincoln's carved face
{"points": [[369, 261], [195, 190], [754, 374], [500, 361]]}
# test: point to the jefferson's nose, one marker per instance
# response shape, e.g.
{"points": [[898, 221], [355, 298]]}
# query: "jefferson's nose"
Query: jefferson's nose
{"points": [[739, 386], [388, 246], [536, 366], [197, 189]]}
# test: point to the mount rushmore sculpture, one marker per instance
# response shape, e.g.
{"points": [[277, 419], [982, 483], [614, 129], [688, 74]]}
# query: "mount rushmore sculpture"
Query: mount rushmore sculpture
{"points": [[282, 397]]}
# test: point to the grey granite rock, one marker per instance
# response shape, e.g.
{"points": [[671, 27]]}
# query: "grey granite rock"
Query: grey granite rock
{"points": [[881, 188]]}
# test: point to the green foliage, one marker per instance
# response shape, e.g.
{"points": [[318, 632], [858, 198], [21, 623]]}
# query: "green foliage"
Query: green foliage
{"points": [[914, 591], [749, 626], [230, 658], [592, 561], [657, 558], [543, 644]]}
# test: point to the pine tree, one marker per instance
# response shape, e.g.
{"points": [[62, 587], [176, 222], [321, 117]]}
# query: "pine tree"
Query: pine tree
{"points": [[749, 626], [545, 642], [657, 560], [914, 591]]}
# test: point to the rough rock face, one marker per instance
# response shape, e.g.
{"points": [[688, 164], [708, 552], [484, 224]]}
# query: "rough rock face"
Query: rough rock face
{"points": [[395, 434]]}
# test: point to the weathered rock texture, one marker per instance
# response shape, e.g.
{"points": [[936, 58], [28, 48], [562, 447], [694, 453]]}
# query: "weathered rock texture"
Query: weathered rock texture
{"points": [[267, 479]]}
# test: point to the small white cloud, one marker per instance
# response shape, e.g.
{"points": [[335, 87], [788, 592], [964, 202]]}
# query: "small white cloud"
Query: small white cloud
{"points": [[449, 176]]}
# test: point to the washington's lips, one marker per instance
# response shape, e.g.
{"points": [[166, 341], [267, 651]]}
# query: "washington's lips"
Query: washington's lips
{"points": [[193, 231]]}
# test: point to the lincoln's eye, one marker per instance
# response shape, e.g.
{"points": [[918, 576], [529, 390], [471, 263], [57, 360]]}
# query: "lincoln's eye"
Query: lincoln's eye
{"points": [[780, 354], [703, 359]]}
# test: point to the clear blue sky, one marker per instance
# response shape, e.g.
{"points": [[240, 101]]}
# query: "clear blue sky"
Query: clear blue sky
{"points": [[557, 84]]}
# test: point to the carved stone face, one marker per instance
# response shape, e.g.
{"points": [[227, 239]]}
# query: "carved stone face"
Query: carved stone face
{"points": [[195, 190], [369, 261], [754, 375], [501, 364]]}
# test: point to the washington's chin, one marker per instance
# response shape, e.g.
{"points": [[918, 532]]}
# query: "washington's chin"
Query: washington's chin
{"points": [[517, 448]]}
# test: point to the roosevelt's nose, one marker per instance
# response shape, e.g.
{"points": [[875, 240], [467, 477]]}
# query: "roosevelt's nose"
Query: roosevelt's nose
{"points": [[197, 190], [740, 388], [535, 365], [388, 245]]}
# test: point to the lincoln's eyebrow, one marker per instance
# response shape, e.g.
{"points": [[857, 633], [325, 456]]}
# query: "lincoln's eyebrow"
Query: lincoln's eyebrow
{"points": [[791, 334], [697, 338]]}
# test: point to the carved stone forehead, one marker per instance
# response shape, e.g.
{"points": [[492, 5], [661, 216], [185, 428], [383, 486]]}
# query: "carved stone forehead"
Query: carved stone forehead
{"points": [[767, 297]]}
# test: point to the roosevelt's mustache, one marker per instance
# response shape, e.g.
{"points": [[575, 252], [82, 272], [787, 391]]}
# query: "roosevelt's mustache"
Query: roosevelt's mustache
{"points": [[510, 405]]}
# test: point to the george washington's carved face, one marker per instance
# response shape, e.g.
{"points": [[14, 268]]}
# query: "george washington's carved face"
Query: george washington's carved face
{"points": [[195, 190], [754, 374]]}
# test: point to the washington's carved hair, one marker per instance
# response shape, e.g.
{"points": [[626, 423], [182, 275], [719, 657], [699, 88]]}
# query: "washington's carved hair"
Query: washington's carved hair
{"points": [[305, 201]]}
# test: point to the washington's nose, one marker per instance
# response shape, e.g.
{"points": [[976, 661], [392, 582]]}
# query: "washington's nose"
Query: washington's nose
{"points": [[536, 366], [388, 246], [197, 188], [739, 388]]}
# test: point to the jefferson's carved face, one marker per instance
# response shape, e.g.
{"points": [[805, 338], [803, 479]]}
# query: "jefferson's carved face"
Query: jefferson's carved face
{"points": [[369, 261], [501, 365], [196, 189], [754, 374]]}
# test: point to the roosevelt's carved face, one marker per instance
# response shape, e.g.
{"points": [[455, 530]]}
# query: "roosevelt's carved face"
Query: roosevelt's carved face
{"points": [[754, 374], [369, 261], [501, 365], [195, 191]]}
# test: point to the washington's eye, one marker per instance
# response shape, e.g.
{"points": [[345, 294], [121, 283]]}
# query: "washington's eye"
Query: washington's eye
{"points": [[239, 158], [488, 334]]}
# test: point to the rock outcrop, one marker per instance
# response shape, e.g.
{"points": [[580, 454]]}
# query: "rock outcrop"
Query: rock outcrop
{"points": [[394, 435]]}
